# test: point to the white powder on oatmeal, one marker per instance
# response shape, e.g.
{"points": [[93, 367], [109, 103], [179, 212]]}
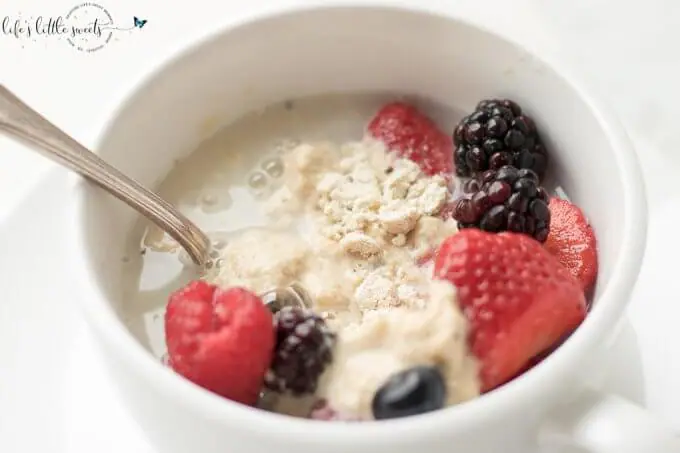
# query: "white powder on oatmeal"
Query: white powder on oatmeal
{"points": [[387, 341], [369, 217]]}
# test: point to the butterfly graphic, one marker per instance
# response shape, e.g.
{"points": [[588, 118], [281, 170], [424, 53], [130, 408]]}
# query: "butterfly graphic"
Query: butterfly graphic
{"points": [[139, 23]]}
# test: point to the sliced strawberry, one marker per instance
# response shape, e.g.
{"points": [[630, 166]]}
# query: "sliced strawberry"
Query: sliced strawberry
{"points": [[572, 241], [222, 340], [518, 299], [413, 135]]}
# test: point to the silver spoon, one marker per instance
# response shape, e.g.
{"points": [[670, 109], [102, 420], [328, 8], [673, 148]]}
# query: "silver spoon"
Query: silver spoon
{"points": [[22, 122]]}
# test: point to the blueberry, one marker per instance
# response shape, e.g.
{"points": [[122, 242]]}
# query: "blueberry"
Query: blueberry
{"points": [[411, 392]]}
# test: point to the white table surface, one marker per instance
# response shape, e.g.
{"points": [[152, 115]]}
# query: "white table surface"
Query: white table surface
{"points": [[624, 49]]}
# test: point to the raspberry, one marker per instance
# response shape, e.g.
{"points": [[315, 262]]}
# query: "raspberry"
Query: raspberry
{"points": [[505, 200], [498, 133], [222, 340], [304, 347]]}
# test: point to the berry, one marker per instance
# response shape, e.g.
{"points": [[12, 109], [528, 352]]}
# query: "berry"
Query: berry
{"points": [[222, 340], [498, 133], [323, 411], [518, 299], [534, 361], [572, 241], [446, 212], [304, 347], [411, 134], [507, 199], [411, 392]]}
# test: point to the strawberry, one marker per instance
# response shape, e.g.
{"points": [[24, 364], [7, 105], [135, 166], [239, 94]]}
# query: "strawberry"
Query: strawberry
{"points": [[572, 241], [222, 340], [534, 361], [411, 134], [516, 296]]}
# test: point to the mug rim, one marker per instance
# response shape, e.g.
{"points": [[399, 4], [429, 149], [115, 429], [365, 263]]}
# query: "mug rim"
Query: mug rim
{"points": [[611, 303]]}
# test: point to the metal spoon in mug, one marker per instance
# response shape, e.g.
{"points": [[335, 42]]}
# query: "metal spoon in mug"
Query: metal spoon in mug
{"points": [[22, 122]]}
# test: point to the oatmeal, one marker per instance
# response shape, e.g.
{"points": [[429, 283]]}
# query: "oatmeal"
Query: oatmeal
{"points": [[355, 276], [369, 217]]}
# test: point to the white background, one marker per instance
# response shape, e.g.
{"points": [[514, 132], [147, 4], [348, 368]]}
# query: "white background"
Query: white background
{"points": [[623, 49]]}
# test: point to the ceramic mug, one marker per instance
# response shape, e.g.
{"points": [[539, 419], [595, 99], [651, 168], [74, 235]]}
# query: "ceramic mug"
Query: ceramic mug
{"points": [[275, 55]]}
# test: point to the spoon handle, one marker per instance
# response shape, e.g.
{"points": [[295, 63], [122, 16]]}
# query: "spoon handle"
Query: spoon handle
{"points": [[24, 123]]}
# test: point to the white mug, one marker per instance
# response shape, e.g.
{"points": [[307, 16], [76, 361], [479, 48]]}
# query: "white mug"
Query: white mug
{"points": [[282, 53]]}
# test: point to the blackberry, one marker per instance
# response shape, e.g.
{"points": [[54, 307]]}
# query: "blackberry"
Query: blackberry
{"points": [[508, 199], [304, 347], [498, 133]]}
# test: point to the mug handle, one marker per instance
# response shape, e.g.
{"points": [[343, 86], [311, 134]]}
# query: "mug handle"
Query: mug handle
{"points": [[598, 422]]}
